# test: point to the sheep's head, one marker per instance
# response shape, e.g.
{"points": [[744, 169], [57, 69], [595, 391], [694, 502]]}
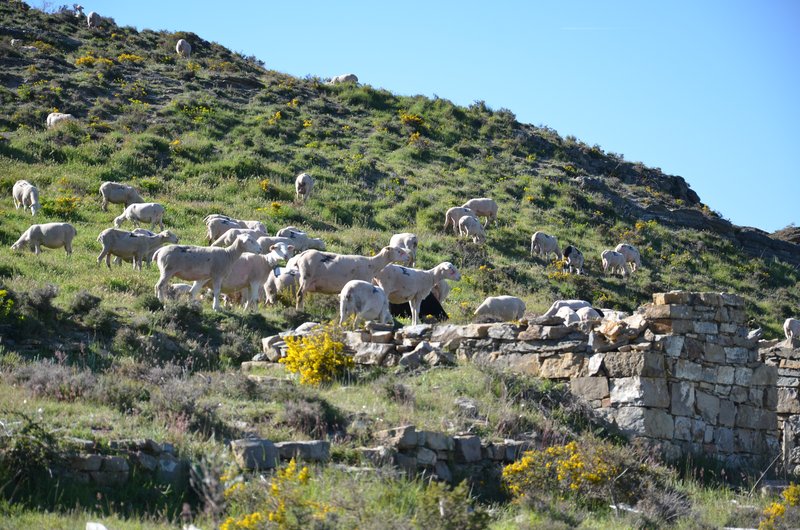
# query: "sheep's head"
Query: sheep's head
{"points": [[35, 207], [169, 237], [396, 254], [118, 220], [448, 271], [247, 243], [282, 250]]}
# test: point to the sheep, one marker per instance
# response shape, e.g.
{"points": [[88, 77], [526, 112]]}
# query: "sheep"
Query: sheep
{"points": [[408, 241], [252, 225], [183, 48], [217, 226], [453, 215], [54, 118], [325, 272], [194, 263], [130, 246], [227, 238], [363, 301], [568, 315], [176, 290], [115, 193], [402, 284], [470, 226], [441, 290], [588, 313], [343, 78], [791, 328], [26, 195], [300, 239], [50, 235], [506, 308], [574, 260], [303, 185], [281, 279], [144, 212], [93, 20], [614, 261], [543, 244], [574, 305], [483, 207], [290, 231], [249, 273], [632, 255]]}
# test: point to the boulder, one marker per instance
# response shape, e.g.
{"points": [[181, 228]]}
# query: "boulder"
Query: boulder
{"points": [[254, 454], [308, 451]]}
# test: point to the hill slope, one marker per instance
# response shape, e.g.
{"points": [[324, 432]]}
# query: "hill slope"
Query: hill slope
{"points": [[221, 133]]}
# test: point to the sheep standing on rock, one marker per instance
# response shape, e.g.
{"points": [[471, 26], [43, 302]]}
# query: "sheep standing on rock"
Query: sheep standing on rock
{"points": [[144, 212], [791, 328], [183, 48], [364, 301], [573, 305], [325, 272], [408, 241], [115, 193], [50, 235], [54, 118], [483, 207], [454, 215], [402, 284], [93, 20], [26, 195], [506, 308], [470, 226], [614, 261], [632, 255], [193, 263], [129, 246], [574, 259], [303, 185], [543, 245]]}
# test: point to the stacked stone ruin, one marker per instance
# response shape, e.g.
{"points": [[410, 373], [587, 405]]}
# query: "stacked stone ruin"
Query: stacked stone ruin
{"points": [[785, 355]]}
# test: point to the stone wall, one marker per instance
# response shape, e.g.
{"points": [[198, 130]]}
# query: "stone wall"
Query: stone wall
{"points": [[785, 356]]}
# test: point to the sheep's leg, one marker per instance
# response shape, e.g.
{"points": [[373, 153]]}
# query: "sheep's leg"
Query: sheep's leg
{"points": [[162, 282], [216, 286], [36, 249], [415, 305], [104, 205], [103, 254], [196, 288], [250, 294], [68, 248]]}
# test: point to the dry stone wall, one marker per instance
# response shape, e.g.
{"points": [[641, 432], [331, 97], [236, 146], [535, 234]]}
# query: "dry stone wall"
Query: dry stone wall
{"points": [[785, 356]]}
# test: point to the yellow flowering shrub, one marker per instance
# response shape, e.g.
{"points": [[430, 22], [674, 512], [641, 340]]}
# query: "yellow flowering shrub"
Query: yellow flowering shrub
{"points": [[776, 512], [90, 61], [317, 357], [129, 58]]}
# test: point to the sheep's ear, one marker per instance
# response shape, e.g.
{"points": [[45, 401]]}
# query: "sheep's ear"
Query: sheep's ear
{"points": [[290, 248], [272, 247]]}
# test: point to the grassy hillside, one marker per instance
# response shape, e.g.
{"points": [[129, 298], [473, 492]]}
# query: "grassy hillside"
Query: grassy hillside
{"points": [[102, 359]]}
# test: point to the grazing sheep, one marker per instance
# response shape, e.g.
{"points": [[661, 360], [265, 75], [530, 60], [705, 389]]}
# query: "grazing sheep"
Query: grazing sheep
{"points": [[453, 215], [408, 241], [249, 273], [129, 246], [402, 284], [115, 193], [242, 223], [290, 231], [506, 308], [194, 263], [614, 261], [142, 212], [93, 20], [325, 272], [54, 118], [227, 238], [441, 290], [574, 305], [176, 290], [343, 78], [183, 48], [26, 195], [574, 260], [470, 226], [50, 235], [632, 255], [791, 328], [300, 239], [217, 226], [483, 207], [281, 279], [543, 244], [364, 301], [303, 185]]}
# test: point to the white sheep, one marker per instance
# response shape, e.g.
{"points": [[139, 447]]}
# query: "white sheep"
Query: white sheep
{"points": [[217, 226], [142, 212], [631, 254], [543, 245], [227, 238], [568, 315], [242, 223], [506, 308], [325, 272], [573, 305], [300, 239], [93, 20], [50, 235], [54, 118], [614, 261], [364, 301], [183, 48], [574, 259], [281, 279], [453, 215], [290, 231], [343, 78], [249, 273], [194, 263], [26, 195], [470, 226], [441, 290], [403, 284], [174, 291], [115, 193], [408, 241], [303, 185], [483, 207], [587, 314], [129, 246], [791, 328]]}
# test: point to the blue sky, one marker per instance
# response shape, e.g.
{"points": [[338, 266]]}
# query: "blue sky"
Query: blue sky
{"points": [[709, 90]]}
